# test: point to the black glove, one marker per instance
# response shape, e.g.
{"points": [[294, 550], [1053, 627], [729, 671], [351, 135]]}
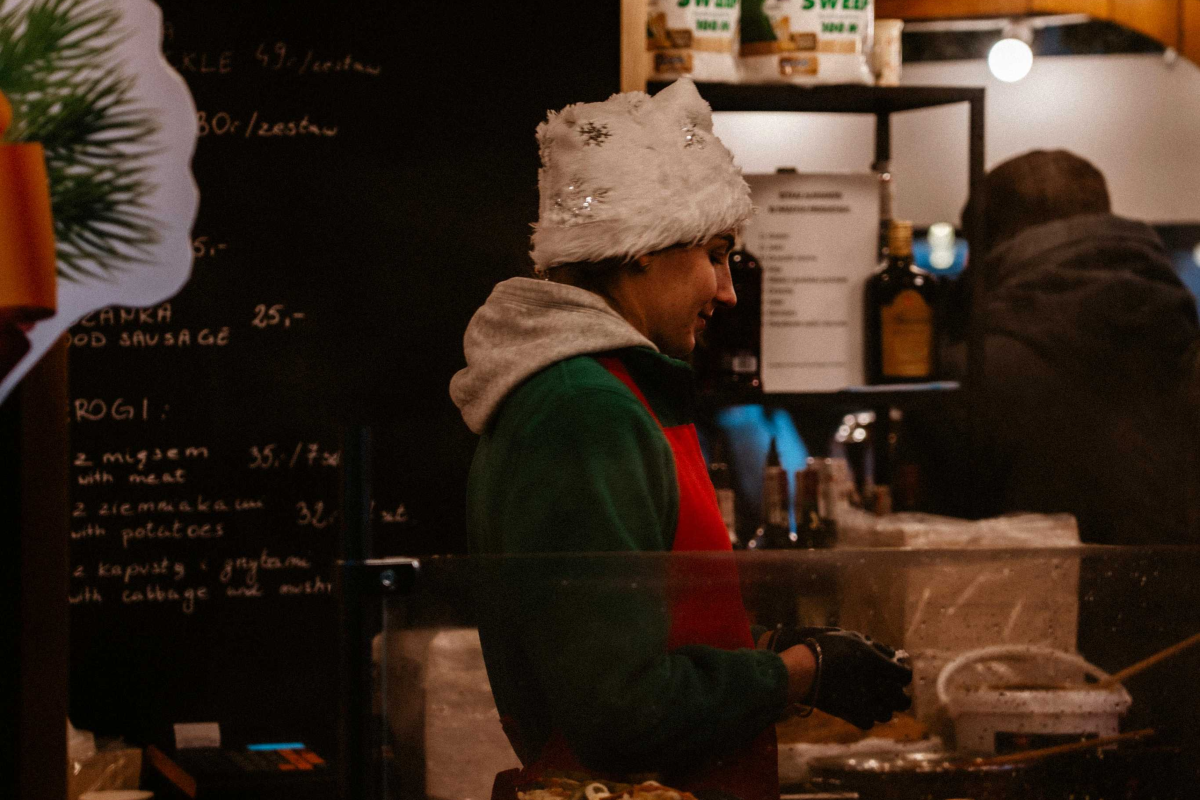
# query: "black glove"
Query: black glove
{"points": [[857, 679]]}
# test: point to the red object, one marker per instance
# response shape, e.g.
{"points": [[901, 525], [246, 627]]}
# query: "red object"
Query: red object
{"points": [[297, 760], [171, 771]]}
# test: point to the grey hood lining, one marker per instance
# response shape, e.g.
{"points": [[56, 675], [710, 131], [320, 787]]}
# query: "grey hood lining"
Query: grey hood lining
{"points": [[525, 326]]}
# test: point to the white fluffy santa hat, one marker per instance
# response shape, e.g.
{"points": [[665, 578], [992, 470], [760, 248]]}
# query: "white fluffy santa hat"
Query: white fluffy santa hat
{"points": [[632, 175]]}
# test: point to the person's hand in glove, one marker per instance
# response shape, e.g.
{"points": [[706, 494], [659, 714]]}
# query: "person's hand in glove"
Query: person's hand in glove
{"points": [[855, 678]]}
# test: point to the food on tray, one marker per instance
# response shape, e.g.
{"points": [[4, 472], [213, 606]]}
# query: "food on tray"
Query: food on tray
{"points": [[822, 728], [567, 789]]}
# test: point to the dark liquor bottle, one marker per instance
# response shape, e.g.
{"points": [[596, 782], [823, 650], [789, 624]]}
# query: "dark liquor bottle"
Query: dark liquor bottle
{"points": [[831, 497], [775, 532], [722, 482], [812, 530], [899, 314], [817, 602], [905, 474], [735, 335]]}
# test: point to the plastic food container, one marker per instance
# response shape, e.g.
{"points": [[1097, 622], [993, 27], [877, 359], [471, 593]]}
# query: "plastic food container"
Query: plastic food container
{"points": [[1018, 697]]}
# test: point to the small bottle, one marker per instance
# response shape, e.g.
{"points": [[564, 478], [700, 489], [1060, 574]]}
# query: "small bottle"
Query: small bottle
{"points": [[905, 477], [899, 315], [818, 603], [883, 501], [811, 528], [718, 472], [834, 494], [828, 501], [847, 490], [775, 531], [735, 335]]}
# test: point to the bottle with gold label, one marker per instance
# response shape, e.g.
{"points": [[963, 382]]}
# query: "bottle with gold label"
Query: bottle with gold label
{"points": [[900, 315]]}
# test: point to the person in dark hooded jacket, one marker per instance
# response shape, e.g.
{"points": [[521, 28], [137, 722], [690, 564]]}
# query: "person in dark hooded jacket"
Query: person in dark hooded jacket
{"points": [[1086, 397]]}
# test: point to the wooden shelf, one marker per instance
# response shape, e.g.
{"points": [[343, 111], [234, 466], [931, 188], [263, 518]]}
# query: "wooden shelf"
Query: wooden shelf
{"points": [[852, 397], [846, 99]]}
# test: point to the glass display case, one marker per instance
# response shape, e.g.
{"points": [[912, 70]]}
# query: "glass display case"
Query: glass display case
{"points": [[1010, 649]]}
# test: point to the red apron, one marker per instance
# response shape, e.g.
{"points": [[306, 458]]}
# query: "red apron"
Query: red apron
{"points": [[706, 608]]}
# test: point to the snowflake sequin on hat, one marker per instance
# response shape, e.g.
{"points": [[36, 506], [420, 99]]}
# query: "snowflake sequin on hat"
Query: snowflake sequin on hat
{"points": [[632, 175]]}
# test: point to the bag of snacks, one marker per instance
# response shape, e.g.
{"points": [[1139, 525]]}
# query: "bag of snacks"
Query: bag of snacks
{"points": [[697, 38], [806, 41]]}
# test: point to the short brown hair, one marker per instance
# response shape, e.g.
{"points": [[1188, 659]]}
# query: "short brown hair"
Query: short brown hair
{"points": [[591, 275], [1039, 186]]}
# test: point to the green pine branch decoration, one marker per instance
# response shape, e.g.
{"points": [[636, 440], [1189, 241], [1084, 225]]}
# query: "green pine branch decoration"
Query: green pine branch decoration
{"points": [[52, 69]]}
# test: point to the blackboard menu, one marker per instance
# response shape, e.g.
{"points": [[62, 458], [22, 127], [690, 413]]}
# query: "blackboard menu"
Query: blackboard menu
{"points": [[367, 171]]}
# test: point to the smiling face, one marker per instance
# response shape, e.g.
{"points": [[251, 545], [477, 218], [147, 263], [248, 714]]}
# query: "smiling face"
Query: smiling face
{"points": [[673, 295]]}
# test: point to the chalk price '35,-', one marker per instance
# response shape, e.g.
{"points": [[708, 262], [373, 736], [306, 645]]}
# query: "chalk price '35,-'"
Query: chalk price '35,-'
{"points": [[304, 454]]}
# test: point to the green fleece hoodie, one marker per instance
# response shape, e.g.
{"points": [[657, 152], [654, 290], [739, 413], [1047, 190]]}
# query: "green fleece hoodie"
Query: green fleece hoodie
{"points": [[570, 462]]}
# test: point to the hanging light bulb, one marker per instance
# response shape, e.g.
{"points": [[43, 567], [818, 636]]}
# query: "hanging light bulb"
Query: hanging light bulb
{"points": [[1011, 58]]}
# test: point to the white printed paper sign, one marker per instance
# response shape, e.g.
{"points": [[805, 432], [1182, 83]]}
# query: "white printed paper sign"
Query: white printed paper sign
{"points": [[816, 237]]}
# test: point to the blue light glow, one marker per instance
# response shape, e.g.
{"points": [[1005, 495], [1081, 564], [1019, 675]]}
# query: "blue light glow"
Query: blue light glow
{"points": [[277, 746], [749, 430], [921, 251]]}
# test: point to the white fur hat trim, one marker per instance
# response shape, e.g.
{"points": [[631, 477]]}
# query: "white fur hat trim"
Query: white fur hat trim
{"points": [[632, 175]]}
